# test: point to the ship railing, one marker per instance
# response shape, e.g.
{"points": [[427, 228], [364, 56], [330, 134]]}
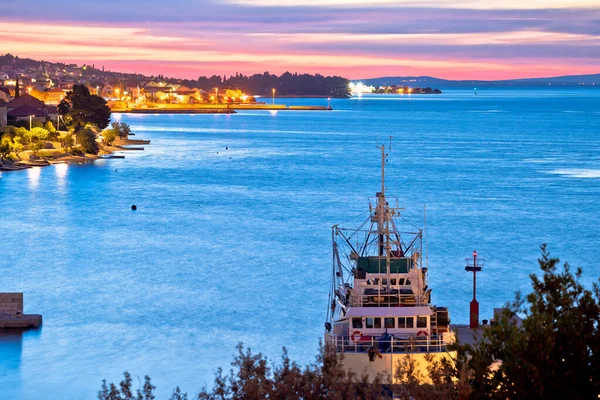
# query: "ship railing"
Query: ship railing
{"points": [[385, 299], [391, 345]]}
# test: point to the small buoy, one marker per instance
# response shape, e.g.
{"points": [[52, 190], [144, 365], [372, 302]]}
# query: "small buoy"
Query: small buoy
{"points": [[133, 207], [116, 170], [226, 148], [217, 152]]}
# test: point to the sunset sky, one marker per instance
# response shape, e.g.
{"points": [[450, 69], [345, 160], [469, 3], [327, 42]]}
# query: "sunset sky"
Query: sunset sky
{"points": [[460, 39]]}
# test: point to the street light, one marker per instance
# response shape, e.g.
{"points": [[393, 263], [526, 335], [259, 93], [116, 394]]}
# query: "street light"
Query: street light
{"points": [[117, 92], [273, 96], [217, 95], [30, 117]]}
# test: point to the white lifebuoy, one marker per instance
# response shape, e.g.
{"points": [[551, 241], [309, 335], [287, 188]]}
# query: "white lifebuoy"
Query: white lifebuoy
{"points": [[356, 336], [422, 333]]}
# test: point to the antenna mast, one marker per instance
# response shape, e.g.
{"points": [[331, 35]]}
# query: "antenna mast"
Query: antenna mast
{"points": [[383, 220]]}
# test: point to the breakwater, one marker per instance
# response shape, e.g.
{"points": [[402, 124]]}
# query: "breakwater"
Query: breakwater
{"points": [[216, 108], [11, 313]]}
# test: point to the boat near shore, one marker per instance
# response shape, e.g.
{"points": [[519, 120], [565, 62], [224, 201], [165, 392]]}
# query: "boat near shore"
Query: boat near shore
{"points": [[380, 310]]}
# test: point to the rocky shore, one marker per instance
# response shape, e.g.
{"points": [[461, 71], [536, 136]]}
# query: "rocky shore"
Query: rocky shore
{"points": [[29, 159]]}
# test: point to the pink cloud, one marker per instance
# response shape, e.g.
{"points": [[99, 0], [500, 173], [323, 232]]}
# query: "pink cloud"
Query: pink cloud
{"points": [[220, 51]]}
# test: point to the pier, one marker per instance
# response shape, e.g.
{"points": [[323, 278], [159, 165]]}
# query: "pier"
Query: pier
{"points": [[216, 108], [11, 313]]}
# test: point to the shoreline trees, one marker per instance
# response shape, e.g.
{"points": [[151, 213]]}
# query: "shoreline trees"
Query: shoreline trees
{"points": [[84, 108], [286, 84]]}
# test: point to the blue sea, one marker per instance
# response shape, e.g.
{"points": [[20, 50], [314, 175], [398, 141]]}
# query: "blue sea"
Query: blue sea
{"points": [[231, 240]]}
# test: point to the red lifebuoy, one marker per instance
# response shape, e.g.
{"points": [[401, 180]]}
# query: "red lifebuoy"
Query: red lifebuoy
{"points": [[422, 333], [356, 336]]}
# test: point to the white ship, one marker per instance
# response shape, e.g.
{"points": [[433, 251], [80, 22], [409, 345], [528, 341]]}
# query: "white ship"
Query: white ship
{"points": [[380, 309]]}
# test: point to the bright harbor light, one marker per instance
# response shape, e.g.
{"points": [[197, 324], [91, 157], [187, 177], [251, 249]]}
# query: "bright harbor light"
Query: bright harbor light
{"points": [[358, 88]]}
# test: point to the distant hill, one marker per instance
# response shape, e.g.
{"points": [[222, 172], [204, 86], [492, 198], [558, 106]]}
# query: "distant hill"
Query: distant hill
{"points": [[428, 81]]}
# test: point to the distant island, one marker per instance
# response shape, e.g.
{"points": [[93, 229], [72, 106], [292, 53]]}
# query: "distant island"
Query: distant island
{"points": [[429, 81], [394, 89]]}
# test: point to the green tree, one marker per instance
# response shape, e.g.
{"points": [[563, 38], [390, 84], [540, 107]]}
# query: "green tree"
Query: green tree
{"points": [[85, 108], [52, 132], [66, 141], [124, 131], [6, 146], [86, 138], [64, 107], [38, 134], [554, 353], [109, 136], [252, 376]]}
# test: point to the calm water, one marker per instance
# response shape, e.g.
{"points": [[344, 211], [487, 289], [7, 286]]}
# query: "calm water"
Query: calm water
{"points": [[234, 245]]}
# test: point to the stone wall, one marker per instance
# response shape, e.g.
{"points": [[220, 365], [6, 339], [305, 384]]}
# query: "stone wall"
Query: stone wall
{"points": [[11, 303]]}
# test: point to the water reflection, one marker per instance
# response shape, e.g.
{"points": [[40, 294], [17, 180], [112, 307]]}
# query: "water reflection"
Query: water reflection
{"points": [[11, 348], [60, 170], [34, 177], [11, 344]]}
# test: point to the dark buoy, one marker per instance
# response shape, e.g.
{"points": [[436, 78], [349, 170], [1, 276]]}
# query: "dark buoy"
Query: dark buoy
{"points": [[133, 207], [226, 148]]}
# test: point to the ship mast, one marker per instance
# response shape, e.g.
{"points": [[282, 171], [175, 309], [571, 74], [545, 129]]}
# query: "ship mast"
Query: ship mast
{"points": [[383, 220]]}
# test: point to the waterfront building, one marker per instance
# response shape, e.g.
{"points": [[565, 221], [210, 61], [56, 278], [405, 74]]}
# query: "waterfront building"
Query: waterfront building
{"points": [[26, 106]]}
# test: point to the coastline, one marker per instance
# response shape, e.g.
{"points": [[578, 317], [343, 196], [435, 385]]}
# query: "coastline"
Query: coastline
{"points": [[216, 108], [107, 152]]}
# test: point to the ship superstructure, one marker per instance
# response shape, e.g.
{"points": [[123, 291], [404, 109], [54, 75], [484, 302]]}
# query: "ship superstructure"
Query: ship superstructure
{"points": [[380, 302]]}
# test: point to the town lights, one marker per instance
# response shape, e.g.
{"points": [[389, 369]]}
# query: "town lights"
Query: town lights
{"points": [[273, 96]]}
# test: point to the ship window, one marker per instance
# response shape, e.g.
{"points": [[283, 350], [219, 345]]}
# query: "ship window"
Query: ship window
{"points": [[389, 322], [401, 283], [369, 323], [376, 281], [357, 323], [407, 282], [406, 322], [421, 322], [384, 281], [393, 281], [377, 322]]}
